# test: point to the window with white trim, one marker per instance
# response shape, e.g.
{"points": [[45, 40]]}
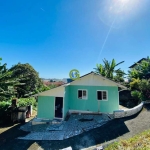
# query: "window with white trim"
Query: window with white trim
{"points": [[102, 95], [82, 94]]}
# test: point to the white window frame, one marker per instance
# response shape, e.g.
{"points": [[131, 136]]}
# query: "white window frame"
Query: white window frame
{"points": [[102, 95], [83, 98]]}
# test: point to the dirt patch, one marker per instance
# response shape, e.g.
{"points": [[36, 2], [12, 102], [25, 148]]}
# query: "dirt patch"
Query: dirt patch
{"points": [[115, 129]]}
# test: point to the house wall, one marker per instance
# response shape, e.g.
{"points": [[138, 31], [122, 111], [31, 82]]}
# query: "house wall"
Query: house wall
{"points": [[92, 104], [56, 92], [66, 100], [91, 83], [46, 107]]}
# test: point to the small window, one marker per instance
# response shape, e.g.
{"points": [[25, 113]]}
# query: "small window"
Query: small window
{"points": [[82, 94], [102, 95]]}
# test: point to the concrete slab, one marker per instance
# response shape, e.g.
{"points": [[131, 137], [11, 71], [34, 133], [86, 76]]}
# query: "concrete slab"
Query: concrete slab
{"points": [[59, 130]]}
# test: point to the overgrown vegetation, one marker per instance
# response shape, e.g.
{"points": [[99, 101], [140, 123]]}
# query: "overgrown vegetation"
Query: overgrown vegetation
{"points": [[108, 70], [139, 77], [140, 80], [7, 82], [5, 107], [26, 102], [19, 81], [28, 75], [138, 142]]}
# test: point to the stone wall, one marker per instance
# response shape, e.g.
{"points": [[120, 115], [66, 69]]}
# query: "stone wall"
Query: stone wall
{"points": [[129, 112]]}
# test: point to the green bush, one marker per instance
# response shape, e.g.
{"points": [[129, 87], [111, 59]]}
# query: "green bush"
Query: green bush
{"points": [[3, 110], [26, 102], [4, 105], [138, 95], [35, 105], [21, 103]]}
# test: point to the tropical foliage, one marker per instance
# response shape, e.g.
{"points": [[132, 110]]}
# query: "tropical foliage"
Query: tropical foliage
{"points": [[108, 70], [142, 90], [141, 70], [139, 78]]}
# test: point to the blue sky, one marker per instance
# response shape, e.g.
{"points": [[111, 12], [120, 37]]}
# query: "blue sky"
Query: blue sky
{"points": [[58, 36]]}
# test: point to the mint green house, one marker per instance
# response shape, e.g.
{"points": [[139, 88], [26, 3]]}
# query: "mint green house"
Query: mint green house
{"points": [[90, 93]]}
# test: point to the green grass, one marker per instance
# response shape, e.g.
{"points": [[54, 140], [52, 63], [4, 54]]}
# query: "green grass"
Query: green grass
{"points": [[138, 142]]}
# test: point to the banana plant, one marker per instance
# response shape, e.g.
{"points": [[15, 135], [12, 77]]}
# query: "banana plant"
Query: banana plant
{"points": [[108, 69]]}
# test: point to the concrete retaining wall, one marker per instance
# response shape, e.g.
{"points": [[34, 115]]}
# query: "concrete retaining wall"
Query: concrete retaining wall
{"points": [[147, 102], [129, 112]]}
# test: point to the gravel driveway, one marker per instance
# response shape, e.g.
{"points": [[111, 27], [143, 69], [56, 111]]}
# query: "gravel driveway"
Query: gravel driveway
{"points": [[115, 129]]}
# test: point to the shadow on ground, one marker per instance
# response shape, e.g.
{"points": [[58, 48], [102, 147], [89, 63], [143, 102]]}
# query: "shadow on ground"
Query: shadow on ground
{"points": [[107, 132], [147, 106]]}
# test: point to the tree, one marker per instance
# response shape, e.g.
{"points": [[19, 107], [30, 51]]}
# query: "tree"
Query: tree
{"points": [[119, 76], [141, 71], [7, 82], [142, 91], [27, 75], [140, 80], [134, 84], [108, 69]]}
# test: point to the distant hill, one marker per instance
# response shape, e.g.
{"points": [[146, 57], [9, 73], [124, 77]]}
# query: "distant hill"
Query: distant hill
{"points": [[65, 80], [51, 79]]}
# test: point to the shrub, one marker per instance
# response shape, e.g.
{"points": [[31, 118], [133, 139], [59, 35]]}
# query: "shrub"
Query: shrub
{"points": [[4, 105], [134, 84], [26, 102], [21, 103], [138, 95], [3, 110], [35, 105]]}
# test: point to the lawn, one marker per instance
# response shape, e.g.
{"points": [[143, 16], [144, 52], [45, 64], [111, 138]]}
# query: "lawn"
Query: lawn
{"points": [[138, 142]]}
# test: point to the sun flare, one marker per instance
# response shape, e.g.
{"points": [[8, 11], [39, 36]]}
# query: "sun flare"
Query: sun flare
{"points": [[119, 10], [124, 1]]}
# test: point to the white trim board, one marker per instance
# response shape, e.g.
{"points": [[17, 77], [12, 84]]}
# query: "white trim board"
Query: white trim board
{"points": [[82, 111]]}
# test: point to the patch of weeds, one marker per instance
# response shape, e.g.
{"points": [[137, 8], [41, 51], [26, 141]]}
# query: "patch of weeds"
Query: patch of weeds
{"points": [[138, 142]]}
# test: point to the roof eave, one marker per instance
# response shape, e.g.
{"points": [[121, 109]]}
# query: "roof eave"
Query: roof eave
{"points": [[119, 85]]}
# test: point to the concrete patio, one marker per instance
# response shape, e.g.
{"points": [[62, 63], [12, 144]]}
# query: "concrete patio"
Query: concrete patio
{"points": [[60, 130]]}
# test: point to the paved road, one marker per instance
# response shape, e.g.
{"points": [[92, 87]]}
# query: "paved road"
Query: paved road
{"points": [[115, 129]]}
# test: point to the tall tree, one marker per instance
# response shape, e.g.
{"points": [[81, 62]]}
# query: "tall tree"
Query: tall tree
{"points": [[139, 78], [119, 76], [27, 74], [141, 71], [108, 69], [7, 82]]}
